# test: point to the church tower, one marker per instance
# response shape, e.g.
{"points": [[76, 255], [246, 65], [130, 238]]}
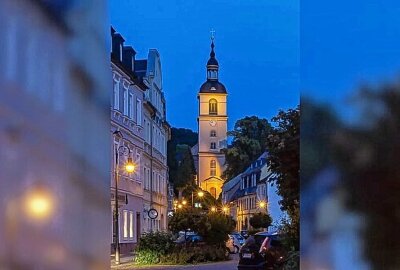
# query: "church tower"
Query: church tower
{"points": [[212, 123]]}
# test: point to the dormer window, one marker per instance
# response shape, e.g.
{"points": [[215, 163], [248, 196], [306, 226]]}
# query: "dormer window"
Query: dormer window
{"points": [[120, 52]]}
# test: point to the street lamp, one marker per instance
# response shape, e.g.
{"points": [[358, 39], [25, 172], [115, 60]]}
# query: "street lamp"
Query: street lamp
{"points": [[225, 209], [129, 167], [213, 209], [200, 194]]}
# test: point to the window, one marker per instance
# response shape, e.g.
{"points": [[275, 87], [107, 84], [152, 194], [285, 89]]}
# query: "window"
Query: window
{"points": [[212, 106], [213, 146], [138, 112], [120, 52], [131, 224], [213, 165], [125, 213], [116, 95], [130, 106], [213, 133], [126, 101], [213, 192]]}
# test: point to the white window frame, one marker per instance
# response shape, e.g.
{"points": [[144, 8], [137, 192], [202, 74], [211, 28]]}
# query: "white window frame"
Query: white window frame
{"points": [[116, 94], [126, 95], [138, 112], [131, 224], [125, 223], [130, 106]]}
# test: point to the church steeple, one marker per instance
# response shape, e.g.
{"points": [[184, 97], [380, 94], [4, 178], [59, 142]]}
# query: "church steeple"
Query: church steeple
{"points": [[212, 64]]}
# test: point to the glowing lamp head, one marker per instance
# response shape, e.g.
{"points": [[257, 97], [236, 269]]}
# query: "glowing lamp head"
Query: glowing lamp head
{"points": [[38, 204], [200, 194], [213, 209], [130, 166], [184, 202], [225, 209], [262, 204], [180, 206]]}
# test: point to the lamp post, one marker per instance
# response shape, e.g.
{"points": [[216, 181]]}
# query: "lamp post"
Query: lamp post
{"points": [[199, 194], [129, 167]]}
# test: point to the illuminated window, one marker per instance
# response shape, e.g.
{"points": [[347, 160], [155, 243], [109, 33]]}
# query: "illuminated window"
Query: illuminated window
{"points": [[213, 192], [213, 106], [213, 165], [131, 224], [125, 223], [213, 133]]}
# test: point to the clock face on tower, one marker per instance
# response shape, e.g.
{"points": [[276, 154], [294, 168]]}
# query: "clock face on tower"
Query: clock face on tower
{"points": [[213, 123]]}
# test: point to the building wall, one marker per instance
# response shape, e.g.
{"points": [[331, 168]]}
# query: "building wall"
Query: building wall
{"points": [[156, 134], [124, 118], [54, 135], [209, 124]]}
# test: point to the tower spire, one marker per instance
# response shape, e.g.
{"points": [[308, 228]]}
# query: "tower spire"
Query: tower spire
{"points": [[212, 53]]}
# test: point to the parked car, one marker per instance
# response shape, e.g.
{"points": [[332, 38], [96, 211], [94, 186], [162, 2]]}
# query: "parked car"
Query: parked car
{"points": [[190, 238], [262, 251], [238, 238], [233, 244], [244, 234]]}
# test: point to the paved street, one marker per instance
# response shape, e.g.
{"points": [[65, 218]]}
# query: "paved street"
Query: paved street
{"points": [[227, 265]]}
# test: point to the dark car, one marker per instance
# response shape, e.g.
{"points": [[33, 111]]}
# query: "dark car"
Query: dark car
{"points": [[262, 251], [190, 238]]}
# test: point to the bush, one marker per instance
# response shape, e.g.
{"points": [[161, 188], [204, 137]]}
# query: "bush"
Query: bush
{"points": [[195, 254], [152, 246]]}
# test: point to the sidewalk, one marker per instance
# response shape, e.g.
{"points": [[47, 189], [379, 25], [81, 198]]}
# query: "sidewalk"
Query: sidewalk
{"points": [[124, 259]]}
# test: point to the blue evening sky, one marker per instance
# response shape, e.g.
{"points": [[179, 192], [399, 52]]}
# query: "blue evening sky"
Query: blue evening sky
{"points": [[345, 44], [257, 46]]}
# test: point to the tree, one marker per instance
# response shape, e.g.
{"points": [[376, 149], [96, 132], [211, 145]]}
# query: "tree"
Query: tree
{"points": [[249, 139], [260, 220], [186, 219], [283, 147], [179, 136], [216, 227], [368, 156], [185, 172]]}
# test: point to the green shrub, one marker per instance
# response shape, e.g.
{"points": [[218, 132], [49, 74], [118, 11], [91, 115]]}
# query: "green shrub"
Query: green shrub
{"points": [[194, 254], [147, 257], [152, 246]]}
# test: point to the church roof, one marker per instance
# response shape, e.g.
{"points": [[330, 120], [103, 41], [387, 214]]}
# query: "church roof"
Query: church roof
{"points": [[212, 86]]}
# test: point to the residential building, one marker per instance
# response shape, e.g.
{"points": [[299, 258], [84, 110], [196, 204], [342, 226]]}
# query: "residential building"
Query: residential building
{"points": [[127, 140], [212, 130], [251, 192], [54, 140], [156, 134]]}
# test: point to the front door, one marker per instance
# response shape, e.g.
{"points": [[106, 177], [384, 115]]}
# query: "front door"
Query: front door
{"points": [[138, 228]]}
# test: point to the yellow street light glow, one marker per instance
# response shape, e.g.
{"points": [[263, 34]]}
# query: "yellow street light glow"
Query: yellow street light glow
{"points": [[38, 204], [213, 209], [200, 194], [130, 166], [262, 204], [225, 209], [184, 202], [179, 206]]}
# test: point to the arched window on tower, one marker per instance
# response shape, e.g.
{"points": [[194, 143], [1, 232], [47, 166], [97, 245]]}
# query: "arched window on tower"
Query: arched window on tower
{"points": [[213, 133], [213, 167], [213, 104], [213, 192]]}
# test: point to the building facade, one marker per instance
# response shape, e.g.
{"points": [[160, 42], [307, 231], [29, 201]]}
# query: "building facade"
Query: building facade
{"points": [[157, 133], [127, 140], [212, 130], [54, 140], [251, 192], [139, 131]]}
